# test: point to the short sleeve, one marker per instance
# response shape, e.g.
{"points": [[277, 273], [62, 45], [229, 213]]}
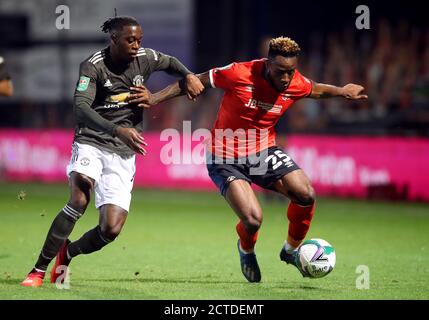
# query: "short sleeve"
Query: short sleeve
{"points": [[224, 77], [303, 85]]}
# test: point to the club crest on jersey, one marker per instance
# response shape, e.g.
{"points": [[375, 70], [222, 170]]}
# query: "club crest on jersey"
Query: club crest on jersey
{"points": [[285, 96], [138, 80], [84, 161]]}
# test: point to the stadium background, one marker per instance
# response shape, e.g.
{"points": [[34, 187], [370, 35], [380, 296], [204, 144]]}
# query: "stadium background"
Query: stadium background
{"points": [[367, 159]]}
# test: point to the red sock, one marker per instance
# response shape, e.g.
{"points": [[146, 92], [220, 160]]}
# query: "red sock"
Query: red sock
{"points": [[299, 220], [247, 239]]}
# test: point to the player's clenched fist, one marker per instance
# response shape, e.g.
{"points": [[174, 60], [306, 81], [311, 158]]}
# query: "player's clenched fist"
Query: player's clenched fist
{"points": [[194, 87]]}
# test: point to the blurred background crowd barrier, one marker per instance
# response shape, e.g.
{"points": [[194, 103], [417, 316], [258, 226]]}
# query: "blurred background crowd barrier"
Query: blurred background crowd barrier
{"points": [[360, 167]]}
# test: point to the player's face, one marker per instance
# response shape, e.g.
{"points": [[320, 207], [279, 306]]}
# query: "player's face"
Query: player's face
{"points": [[129, 41], [280, 71]]}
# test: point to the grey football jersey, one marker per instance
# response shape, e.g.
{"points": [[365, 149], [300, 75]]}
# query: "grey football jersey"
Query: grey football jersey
{"points": [[104, 87]]}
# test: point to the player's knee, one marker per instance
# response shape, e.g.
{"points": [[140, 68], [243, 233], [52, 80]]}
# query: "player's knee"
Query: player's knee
{"points": [[253, 220], [111, 231], [306, 196], [81, 187]]}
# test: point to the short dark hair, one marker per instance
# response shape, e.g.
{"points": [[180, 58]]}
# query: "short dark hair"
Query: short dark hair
{"points": [[116, 24], [283, 46]]}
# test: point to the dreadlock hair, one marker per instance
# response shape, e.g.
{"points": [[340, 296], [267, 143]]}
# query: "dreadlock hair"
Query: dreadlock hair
{"points": [[283, 46], [113, 25]]}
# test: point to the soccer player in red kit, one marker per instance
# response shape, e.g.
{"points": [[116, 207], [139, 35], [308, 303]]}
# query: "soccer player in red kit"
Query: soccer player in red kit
{"points": [[243, 148]]}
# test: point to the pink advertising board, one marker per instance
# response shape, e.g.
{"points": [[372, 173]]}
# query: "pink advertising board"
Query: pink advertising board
{"points": [[341, 166]]}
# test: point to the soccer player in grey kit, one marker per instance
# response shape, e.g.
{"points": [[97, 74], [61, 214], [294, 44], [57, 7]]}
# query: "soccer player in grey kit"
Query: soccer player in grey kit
{"points": [[107, 136]]}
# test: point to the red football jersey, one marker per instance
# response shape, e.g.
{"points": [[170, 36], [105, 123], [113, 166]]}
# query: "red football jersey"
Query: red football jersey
{"points": [[250, 107]]}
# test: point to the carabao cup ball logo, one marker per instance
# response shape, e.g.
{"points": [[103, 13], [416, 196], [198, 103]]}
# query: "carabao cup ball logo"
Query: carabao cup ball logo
{"points": [[138, 80], [317, 257]]}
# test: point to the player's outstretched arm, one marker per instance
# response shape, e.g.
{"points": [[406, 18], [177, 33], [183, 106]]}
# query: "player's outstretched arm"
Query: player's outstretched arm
{"points": [[349, 91], [146, 99], [173, 66]]}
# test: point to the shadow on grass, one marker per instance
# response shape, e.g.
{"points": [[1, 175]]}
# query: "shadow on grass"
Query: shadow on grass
{"points": [[150, 280], [280, 285], [11, 281], [14, 281], [78, 290]]}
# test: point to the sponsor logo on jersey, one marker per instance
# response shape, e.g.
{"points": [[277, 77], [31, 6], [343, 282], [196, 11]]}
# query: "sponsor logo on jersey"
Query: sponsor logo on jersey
{"points": [[254, 104], [117, 100]]}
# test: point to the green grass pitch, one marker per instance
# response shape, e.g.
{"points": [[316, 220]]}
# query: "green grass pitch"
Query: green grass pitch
{"points": [[182, 245]]}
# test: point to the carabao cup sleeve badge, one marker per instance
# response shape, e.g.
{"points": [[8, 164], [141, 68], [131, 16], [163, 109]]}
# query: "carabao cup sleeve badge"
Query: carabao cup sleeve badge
{"points": [[83, 83]]}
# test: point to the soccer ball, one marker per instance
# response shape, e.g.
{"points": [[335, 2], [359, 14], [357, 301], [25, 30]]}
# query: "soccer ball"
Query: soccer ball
{"points": [[317, 257]]}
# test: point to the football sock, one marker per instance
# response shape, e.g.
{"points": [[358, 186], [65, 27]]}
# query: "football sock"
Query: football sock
{"points": [[90, 242], [299, 221], [60, 230], [247, 239]]}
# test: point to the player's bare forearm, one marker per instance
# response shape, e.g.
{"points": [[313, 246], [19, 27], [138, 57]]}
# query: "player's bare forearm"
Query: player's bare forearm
{"points": [[176, 89], [350, 91], [173, 90], [321, 90]]}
